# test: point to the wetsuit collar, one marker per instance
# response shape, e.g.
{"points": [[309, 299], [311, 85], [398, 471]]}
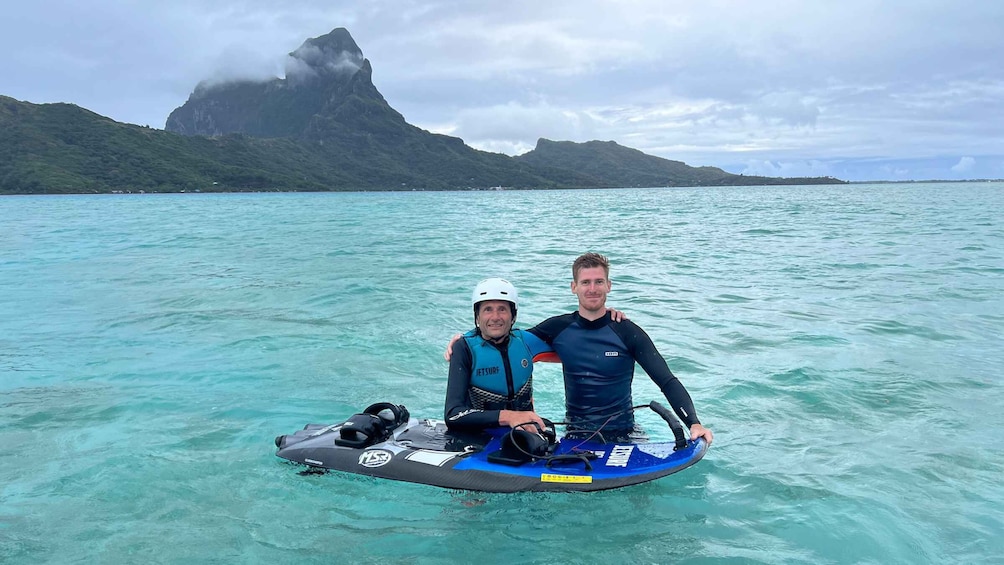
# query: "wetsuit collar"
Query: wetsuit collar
{"points": [[594, 324], [499, 342]]}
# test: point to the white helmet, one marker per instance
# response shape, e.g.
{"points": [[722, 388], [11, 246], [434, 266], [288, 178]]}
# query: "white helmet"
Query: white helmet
{"points": [[495, 289]]}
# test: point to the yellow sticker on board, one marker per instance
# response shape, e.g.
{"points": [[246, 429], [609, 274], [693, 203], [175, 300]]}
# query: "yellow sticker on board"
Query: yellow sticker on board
{"points": [[549, 478]]}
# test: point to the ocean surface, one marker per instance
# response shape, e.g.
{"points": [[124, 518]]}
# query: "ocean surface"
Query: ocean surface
{"points": [[843, 342]]}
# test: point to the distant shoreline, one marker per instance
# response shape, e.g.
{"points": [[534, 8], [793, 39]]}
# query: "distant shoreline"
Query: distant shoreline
{"points": [[929, 181], [494, 189]]}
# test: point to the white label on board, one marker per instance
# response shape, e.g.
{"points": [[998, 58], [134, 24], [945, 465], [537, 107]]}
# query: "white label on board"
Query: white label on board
{"points": [[375, 458], [429, 457], [619, 455]]}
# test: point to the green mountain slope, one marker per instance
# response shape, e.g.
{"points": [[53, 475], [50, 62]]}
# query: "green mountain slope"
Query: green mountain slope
{"points": [[61, 148], [613, 165], [322, 127]]}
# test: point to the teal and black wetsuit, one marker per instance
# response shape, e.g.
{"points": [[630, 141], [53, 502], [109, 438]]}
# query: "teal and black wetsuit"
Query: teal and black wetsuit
{"points": [[598, 359], [486, 377]]}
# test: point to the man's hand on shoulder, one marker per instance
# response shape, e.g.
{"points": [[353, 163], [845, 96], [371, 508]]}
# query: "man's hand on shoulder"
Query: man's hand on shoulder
{"points": [[449, 346], [617, 315]]}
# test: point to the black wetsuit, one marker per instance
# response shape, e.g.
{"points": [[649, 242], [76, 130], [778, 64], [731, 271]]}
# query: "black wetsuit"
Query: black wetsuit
{"points": [[598, 359]]}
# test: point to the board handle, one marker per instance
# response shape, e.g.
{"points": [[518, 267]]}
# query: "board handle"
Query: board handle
{"points": [[674, 424]]}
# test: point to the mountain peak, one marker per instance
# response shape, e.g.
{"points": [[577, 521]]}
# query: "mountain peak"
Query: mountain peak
{"points": [[328, 86], [335, 53]]}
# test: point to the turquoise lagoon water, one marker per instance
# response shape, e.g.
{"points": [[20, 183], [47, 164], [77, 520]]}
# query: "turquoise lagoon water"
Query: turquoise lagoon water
{"points": [[844, 343]]}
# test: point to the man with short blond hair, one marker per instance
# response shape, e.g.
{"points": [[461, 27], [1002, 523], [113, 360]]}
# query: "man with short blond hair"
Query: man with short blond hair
{"points": [[598, 356]]}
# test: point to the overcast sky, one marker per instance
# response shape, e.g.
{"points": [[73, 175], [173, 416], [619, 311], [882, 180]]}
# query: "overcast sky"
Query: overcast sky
{"points": [[860, 90]]}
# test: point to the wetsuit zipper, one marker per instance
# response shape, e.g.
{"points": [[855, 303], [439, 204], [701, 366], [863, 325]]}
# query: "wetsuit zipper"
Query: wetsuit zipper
{"points": [[508, 375]]}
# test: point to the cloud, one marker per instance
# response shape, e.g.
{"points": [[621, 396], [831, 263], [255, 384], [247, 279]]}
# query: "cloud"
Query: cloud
{"points": [[965, 165], [514, 128], [790, 108], [237, 64], [308, 60], [810, 168], [242, 63], [710, 83]]}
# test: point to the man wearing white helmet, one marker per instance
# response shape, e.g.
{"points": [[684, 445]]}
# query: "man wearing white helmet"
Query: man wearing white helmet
{"points": [[491, 369]]}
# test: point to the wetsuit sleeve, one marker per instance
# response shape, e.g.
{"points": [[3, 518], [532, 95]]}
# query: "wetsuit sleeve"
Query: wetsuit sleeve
{"points": [[549, 329], [458, 412], [644, 352], [535, 344]]}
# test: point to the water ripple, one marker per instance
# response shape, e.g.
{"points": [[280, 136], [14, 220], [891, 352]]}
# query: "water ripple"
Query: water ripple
{"points": [[843, 343]]}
